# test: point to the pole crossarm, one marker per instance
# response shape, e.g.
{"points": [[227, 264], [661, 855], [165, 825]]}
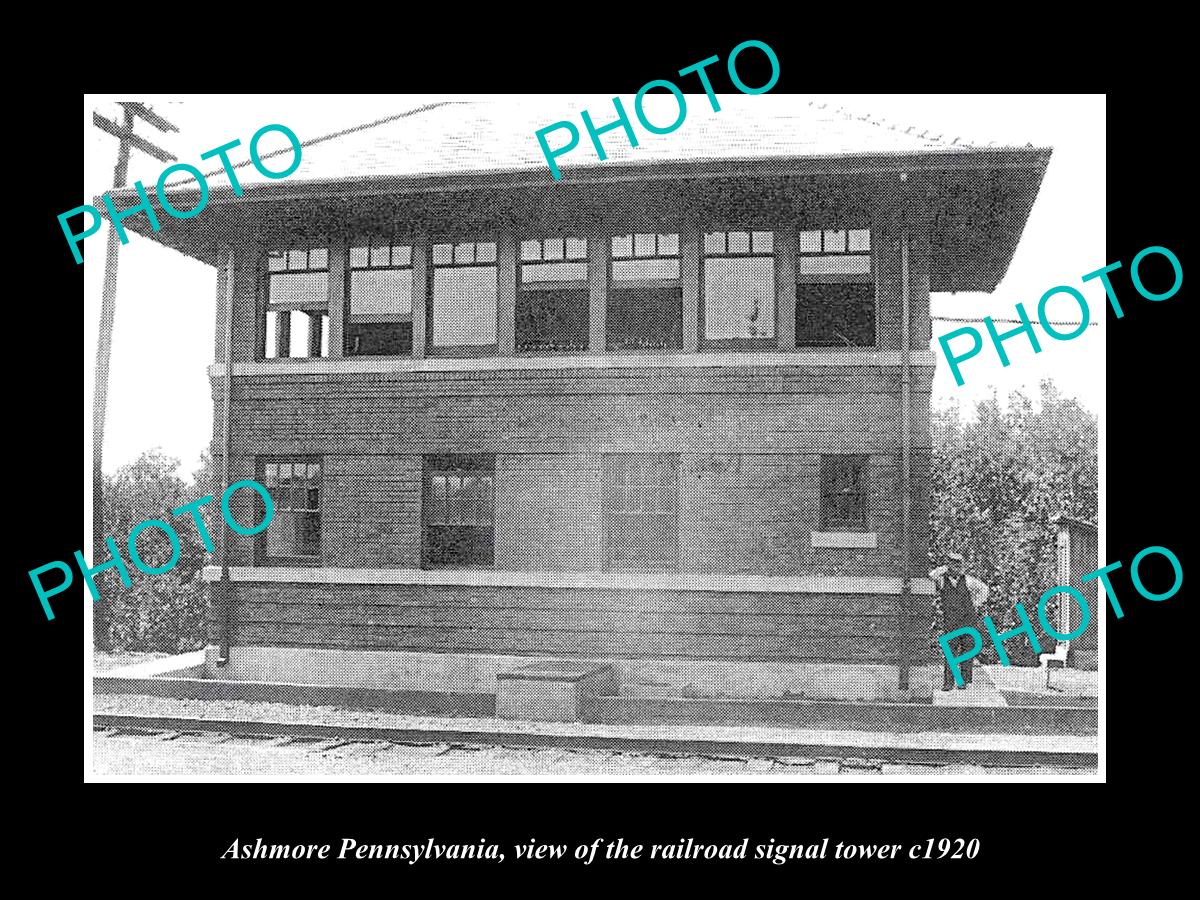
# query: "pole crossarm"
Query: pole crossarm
{"points": [[126, 134], [144, 112]]}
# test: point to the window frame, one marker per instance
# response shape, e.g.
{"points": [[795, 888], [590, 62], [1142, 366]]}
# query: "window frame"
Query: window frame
{"points": [[474, 464], [870, 277], [770, 342], [862, 495], [261, 555], [582, 285], [630, 285], [611, 464], [318, 311], [460, 350], [396, 319]]}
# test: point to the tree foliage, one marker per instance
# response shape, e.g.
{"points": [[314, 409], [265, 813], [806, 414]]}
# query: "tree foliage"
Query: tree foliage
{"points": [[157, 612], [999, 480]]}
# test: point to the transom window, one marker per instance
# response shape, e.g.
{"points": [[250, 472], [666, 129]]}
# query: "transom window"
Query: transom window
{"points": [[463, 295], [294, 535], [554, 259], [835, 252], [739, 243], [844, 492], [645, 256], [739, 286], [645, 298], [459, 510], [835, 289], [552, 303], [297, 304], [379, 321]]}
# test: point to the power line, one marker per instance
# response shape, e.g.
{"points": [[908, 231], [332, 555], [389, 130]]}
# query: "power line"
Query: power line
{"points": [[1006, 321], [327, 137]]}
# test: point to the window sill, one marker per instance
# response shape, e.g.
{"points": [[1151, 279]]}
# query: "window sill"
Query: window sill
{"points": [[758, 584], [611, 360], [849, 540], [296, 561], [469, 351]]}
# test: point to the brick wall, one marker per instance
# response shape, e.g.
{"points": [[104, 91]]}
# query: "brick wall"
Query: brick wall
{"points": [[549, 513], [371, 511]]}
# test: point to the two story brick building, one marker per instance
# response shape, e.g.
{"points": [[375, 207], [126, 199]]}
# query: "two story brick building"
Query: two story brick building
{"points": [[671, 411]]}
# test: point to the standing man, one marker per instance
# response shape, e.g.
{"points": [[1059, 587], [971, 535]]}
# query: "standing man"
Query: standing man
{"points": [[958, 601]]}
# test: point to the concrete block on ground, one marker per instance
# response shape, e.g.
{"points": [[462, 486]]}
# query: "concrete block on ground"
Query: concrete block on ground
{"points": [[552, 691]]}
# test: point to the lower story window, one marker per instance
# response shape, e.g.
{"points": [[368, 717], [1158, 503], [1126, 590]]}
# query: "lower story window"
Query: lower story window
{"points": [[641, 512], [294, 535], [459, 510], [844, 492]]}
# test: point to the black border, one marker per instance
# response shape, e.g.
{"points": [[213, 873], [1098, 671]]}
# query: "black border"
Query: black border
{"points": [[1037, 837]]}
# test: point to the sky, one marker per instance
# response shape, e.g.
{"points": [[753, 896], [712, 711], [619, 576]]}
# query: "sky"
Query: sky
{"points": [[159, 393]]}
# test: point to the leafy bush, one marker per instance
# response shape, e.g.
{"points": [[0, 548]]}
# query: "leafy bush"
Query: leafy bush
{"points": [[998, 483], [163, 613]]}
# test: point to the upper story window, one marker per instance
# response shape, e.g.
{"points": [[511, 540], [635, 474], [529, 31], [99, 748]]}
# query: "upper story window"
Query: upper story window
{"points": [[645, 299], [463, 295], [380, 292], [835, 289], [297, 307], [739, 286], [552, 296]]}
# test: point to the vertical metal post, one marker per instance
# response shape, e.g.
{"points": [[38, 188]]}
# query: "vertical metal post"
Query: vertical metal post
{"points": [[224, 590], [905, 460]]}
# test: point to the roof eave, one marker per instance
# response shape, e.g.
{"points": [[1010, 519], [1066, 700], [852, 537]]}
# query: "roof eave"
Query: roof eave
{"points": [[1029, 160], [617, 172]]}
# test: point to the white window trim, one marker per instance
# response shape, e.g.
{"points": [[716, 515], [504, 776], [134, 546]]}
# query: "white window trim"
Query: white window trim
{"points": [[867, 356], [860, 540], [675, 582]]}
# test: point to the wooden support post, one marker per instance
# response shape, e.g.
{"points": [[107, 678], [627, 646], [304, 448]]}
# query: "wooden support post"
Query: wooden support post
{"points": [[785, 287], [315, 328], [689, 279], [420, 293], [506, 294], [599, 255], [283, 334], [337, 297]]}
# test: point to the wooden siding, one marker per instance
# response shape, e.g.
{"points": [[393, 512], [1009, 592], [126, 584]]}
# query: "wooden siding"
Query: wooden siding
{"points": [[605, 623]]}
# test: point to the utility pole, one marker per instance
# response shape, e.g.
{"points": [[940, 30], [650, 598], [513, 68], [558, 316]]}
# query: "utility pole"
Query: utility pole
{"points": [[108, 307]]}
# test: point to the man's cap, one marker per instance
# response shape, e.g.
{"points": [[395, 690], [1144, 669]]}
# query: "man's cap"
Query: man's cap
{"points": [[954, 557]]}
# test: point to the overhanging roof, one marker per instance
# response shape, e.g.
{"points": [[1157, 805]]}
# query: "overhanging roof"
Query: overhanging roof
{"points": [[977, 199]]}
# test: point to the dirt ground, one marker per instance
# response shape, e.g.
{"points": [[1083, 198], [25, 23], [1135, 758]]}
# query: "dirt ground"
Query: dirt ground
{"points": [[106, 662], [123, 755]]}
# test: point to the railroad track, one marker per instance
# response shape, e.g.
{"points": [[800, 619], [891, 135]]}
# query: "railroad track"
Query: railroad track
{"points": [[324, 737]]}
